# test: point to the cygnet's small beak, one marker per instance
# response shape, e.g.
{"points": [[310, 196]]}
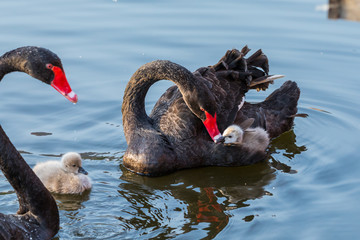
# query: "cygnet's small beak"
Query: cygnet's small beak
{"points": [[220, 139], [82, 170]]}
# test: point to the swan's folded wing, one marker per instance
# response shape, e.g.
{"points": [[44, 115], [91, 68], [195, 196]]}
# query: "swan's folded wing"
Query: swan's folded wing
{"points": [[276, 113]]}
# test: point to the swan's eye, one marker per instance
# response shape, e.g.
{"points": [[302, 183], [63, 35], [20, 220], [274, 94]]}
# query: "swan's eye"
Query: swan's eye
{"points": [[230, 137], [49, 66], [74, 165]]}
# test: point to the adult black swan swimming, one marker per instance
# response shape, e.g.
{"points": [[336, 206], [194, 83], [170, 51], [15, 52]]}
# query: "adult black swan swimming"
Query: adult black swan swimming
{"points": [[185, 123], [38, 216]]}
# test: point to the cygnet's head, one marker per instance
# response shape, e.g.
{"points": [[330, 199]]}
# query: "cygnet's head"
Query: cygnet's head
{"points": [[233, 134], [71, 162]]}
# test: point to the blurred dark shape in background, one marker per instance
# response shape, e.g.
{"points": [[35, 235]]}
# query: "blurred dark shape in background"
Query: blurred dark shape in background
{"points": [[345, 9]]}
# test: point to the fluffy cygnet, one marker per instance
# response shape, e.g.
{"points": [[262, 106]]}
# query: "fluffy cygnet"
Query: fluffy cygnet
{"points": [[253, 138], [67, 176]]}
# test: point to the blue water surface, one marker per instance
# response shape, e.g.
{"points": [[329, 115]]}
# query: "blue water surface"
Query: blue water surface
{"points": [[307, 189]]}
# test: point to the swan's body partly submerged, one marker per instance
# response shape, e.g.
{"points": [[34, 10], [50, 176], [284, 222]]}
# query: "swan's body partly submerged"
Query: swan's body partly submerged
{"points": [[38, 216], [65, 177], [187, 119]]}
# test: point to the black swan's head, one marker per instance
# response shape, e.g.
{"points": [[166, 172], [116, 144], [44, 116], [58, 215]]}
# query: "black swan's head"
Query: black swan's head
{"points": [[43, 65], [202, 103]]}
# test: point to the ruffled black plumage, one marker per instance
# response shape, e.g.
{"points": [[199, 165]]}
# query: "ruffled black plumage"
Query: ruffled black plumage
{"points": [[173, 136]]}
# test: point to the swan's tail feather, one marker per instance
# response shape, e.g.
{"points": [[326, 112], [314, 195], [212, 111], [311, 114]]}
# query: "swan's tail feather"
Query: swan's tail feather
{"points": [[253, 70], [302, 115], [265, 79]]}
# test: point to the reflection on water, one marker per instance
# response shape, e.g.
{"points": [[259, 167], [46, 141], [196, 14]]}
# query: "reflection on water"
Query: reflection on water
{"points": [[286, 145], [40, 133], [71, 202], [345, 9], [204, 204], [205, 196]]}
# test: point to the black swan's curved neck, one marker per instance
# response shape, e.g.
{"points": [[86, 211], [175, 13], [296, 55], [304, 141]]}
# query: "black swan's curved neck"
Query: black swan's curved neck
{"points": [[133, 107], [13, 61], [35, 201], [12, 164], [32, 194], [5, 68]]}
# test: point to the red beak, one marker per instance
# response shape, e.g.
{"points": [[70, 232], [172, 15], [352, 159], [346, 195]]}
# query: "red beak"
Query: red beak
{"points": [[61, 84], [211, 126]]}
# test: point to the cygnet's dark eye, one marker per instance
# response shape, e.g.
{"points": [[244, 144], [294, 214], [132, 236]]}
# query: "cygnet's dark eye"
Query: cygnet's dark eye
{"points": [[74, 165], [230, 136]]}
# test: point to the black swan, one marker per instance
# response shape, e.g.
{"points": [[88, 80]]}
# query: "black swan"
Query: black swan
{"points": [[38, 216], [184, 125]]}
